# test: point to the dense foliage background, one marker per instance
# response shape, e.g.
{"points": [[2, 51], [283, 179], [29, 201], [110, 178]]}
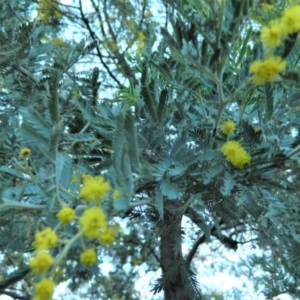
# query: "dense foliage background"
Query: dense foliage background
{"points": [[138, 91]]}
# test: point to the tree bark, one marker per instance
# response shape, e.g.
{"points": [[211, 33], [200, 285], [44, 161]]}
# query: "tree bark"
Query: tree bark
{"points": [[170, 253]]}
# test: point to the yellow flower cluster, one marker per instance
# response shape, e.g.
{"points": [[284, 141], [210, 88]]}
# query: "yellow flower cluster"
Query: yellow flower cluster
{"points": [[138, 36], [95, 189], [266, 6], [131, 24], [48, 9], [140, 40], [111, 45], [267, 70], [278, 29], [92, 224], [41, 262], [88, 257], [25, 152], [236, 154], [44, 290], [66, 215], [92, 221], [45, 239], [228, 127], [116, 195], [108, 236], [290, 19], [58, 41], [272, 36]]}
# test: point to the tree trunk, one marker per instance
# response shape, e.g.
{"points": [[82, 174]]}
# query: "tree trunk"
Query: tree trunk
{"points": [[170, 253]]}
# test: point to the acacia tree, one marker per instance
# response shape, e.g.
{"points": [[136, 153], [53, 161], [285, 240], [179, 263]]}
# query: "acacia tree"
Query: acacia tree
{"points": [[191, 113]]}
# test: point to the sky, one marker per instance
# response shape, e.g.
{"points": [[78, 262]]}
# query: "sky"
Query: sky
{"points": [[224, 281]]}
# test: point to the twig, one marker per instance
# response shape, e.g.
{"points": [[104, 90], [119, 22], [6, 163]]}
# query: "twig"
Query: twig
{"points": [[157, 258], [96, 39], [194, 249], [14, 295]]}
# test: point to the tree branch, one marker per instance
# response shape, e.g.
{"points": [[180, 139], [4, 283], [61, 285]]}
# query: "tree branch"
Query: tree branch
{"points": [[96, 39], [197, 219], [14, 295], [194, 249], [157, 258], [125, 68]]}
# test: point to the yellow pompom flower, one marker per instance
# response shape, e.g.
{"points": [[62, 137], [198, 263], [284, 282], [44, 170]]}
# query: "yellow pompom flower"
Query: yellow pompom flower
{"points": [[45, 239], [44, 290], [88, 257], [85, 177], [272, 35], [241, 160], [25, 152], [266, 6], [92, 220], [41, 263], [140, 40], [94, 189], [236, 154], [131, 24], [136, 261], [267, 70], [48, 9], [230, 148], [66, 215], [227, 127], [140, 36], [58, 41], [108, 236], [116, 195], [290, 19]]}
